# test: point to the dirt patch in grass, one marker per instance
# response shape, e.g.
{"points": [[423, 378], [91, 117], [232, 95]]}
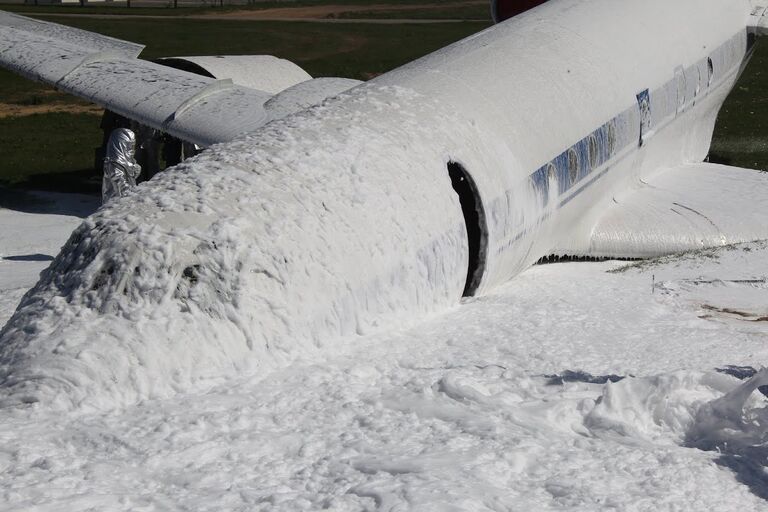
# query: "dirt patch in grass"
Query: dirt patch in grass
{"points": [[16, 110], [348, 43]]}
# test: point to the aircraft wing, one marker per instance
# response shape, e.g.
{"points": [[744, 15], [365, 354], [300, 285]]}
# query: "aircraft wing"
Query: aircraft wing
{"points": [[106, 71], [683, 209]]}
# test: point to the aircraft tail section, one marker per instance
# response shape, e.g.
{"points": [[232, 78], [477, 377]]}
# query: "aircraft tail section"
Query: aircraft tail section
{"points": [[681, 209]]}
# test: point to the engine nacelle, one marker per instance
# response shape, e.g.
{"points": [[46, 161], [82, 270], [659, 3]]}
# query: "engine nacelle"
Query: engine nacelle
{"points": [[504, 9], [263, 72]]}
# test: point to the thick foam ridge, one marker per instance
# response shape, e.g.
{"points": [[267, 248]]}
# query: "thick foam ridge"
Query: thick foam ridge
{"points": [[252, 254]]}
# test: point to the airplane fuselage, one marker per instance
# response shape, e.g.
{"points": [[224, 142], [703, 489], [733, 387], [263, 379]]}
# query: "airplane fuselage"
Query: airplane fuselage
{"points": [[343, 219], [574, 103]]}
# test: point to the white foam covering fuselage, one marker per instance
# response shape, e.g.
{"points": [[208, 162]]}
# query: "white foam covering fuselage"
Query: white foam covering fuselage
{"points": [[341, 220], [546, 81]]}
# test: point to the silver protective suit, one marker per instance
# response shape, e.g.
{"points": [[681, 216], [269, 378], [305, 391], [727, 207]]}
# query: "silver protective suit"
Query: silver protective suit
{"points": [[120, 167]]}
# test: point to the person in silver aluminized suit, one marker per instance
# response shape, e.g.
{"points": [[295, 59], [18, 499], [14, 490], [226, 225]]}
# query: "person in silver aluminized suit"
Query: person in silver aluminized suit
{"points": [[120, 166]]}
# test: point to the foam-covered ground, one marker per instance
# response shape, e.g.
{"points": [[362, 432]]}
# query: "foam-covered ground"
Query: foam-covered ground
{"points": [[33, 228], [577, 386]]}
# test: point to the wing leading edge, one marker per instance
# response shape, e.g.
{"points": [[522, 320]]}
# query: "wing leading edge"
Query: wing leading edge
{"points": [[106, 71]]}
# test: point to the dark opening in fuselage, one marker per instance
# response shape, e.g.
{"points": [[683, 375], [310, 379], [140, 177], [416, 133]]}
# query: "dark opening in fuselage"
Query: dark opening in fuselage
{"points": [[474, 220]]}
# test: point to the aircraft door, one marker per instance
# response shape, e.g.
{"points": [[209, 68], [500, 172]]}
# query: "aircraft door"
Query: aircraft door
{"points": [[475, 224]]}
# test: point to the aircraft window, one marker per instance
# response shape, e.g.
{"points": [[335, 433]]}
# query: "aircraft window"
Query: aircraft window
{"points": [[552, 181], [475, 223], [551, 172], [573, 165], [711, 69], [611, 138], [592, 149]]}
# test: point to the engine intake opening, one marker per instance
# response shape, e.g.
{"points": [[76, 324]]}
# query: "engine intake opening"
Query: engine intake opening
{"points": [[475, 222]]}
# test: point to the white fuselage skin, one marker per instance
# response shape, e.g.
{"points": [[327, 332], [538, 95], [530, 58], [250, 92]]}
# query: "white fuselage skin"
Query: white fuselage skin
{"points": [[545, 81], [342, 219]]}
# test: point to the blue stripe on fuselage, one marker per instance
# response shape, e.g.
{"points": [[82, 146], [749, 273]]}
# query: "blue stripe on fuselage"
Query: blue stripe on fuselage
{"points": [[611, 141]]}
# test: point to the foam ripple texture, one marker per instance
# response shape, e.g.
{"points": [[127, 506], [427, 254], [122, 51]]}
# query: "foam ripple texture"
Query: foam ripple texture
{"points": [[254, 253]]}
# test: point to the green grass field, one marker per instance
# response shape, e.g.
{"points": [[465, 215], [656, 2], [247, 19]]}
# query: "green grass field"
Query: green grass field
{"points": [[55, 150], [741, 134], [449, 9], [348, 50]]}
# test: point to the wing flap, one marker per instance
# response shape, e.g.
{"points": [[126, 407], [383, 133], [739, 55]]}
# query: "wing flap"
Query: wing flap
{"points": [[683, 209]]}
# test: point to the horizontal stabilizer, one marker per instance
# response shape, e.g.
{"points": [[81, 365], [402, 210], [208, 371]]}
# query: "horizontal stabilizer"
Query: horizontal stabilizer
{"points": [[683, 209], [105, 71]]}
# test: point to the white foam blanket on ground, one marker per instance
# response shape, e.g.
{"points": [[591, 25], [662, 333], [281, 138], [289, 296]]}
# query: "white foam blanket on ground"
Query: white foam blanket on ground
{"points": [[504, 403], [23, 255]]}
